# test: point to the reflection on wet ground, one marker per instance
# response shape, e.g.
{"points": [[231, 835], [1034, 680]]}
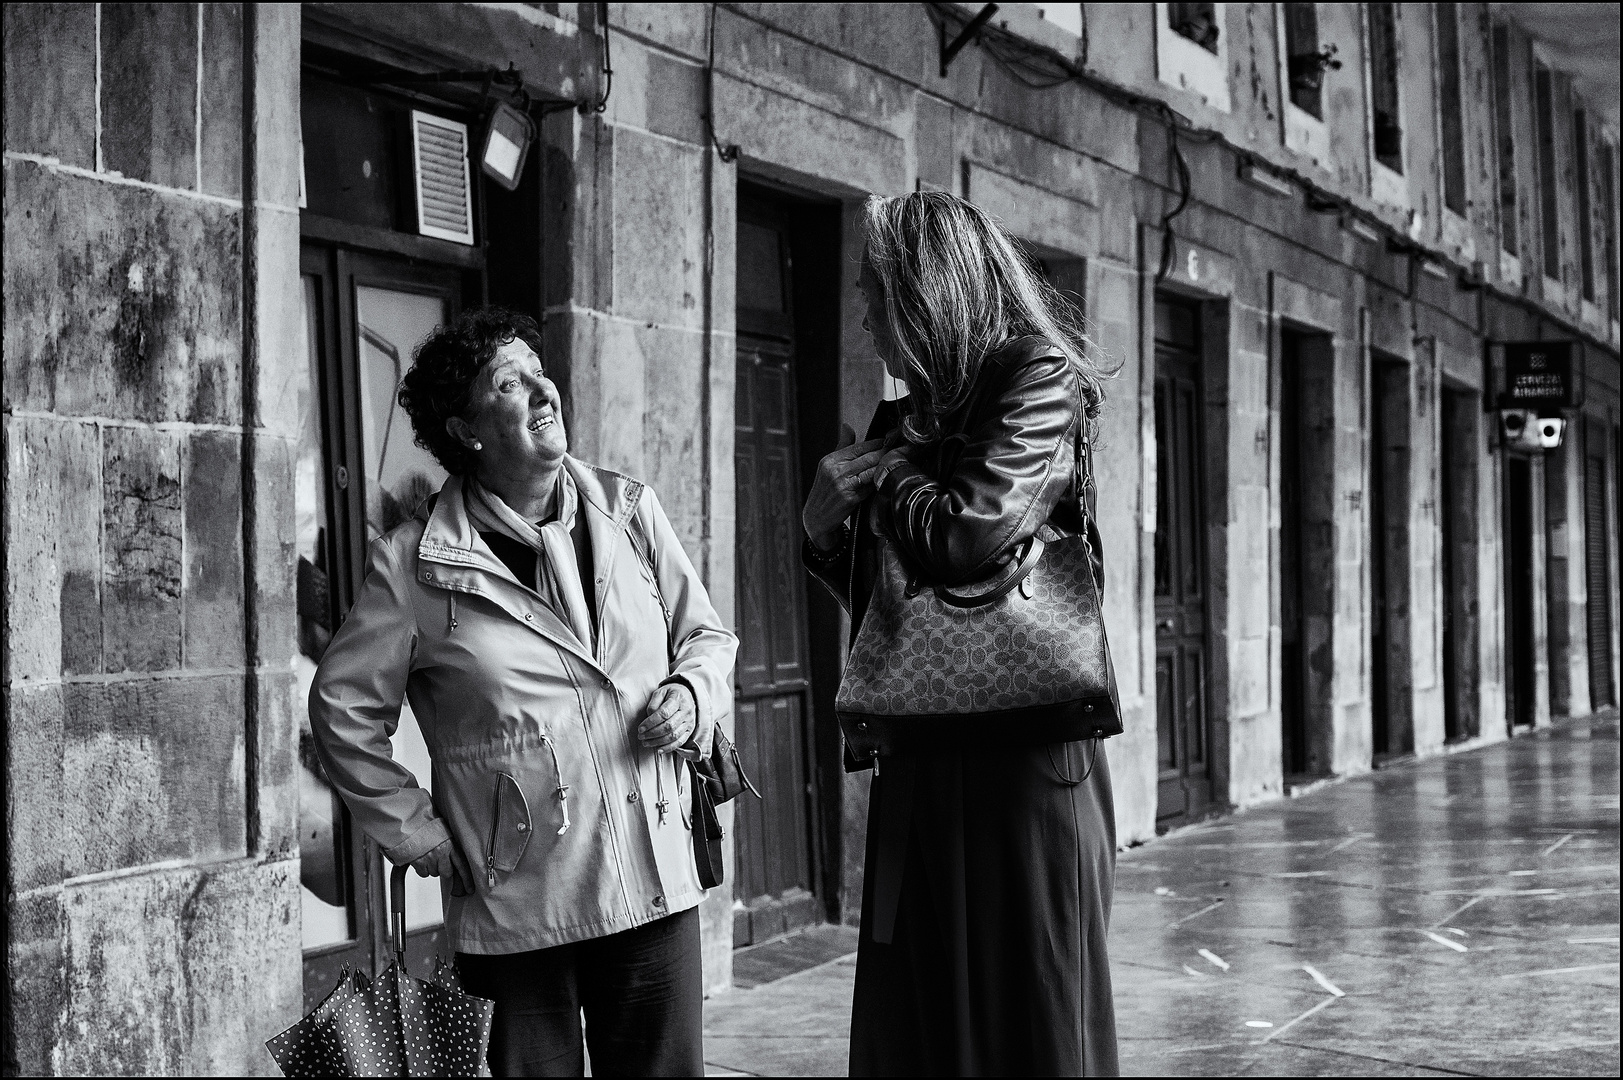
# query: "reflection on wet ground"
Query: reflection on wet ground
{"points": [[1455, 916], [1452, 916]]}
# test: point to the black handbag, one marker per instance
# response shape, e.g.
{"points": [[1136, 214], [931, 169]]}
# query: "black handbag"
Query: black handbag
{"points": [[717, 779], [1021, 657]]}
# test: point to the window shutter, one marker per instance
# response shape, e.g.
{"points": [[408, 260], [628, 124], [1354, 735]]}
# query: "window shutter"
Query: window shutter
{"points": [[440, 158]]}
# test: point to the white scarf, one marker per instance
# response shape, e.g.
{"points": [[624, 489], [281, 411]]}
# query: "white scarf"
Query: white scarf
{"points": [[557, 572]]}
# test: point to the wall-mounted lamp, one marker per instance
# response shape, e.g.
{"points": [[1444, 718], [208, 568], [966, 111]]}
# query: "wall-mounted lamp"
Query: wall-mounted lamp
{"points": [[508, 137]]}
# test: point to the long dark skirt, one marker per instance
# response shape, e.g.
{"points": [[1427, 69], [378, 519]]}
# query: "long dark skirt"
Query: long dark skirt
{"points": [[991, 877]]}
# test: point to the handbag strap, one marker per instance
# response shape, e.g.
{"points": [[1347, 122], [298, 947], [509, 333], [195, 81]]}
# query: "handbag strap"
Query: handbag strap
{"points": [[1034, 551]]}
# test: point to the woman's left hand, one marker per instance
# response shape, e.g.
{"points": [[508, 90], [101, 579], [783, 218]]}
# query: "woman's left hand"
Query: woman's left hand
{"points": [[672, 717]]}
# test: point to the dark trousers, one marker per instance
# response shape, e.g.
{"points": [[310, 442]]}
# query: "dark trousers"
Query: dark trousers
{"points": [[642, 991]]}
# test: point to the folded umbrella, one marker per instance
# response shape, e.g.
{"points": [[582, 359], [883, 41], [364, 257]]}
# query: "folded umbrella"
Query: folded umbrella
{"points": [[395, 1025]]}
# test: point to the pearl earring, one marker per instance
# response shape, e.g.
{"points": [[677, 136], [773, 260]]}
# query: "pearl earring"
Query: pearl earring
{"points": [[477, 445]]}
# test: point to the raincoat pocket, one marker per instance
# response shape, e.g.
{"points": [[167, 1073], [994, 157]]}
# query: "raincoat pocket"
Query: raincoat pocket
{"points": [[509, 829]]}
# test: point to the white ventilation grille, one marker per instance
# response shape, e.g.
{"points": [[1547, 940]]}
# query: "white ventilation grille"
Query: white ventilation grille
{"points": [[444, 203]]}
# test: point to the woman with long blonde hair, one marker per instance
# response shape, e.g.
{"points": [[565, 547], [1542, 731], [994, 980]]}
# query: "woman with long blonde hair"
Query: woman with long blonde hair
{"points": [[991, 837]]}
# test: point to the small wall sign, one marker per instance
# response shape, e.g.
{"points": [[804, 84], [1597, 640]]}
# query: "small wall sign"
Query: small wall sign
{"points": [[1539, 375]]}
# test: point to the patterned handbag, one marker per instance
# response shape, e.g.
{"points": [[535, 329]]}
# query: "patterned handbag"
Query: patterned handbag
{"points": [[1022, 657]]}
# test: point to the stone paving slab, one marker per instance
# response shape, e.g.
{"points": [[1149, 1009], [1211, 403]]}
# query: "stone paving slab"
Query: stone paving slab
{"points": [[1459, 916]]}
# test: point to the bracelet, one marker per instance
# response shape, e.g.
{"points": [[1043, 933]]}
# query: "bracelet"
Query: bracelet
{"points": [[824, 559]]}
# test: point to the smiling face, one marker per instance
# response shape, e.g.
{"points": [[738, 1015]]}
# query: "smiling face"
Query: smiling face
{"points": [[514, 416]]}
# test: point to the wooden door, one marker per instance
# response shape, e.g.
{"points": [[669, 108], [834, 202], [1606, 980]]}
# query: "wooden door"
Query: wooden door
{"points": [[777, 850], [1182, 728]]}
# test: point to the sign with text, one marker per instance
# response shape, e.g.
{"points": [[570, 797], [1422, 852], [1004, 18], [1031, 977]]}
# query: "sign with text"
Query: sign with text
{"points": [[1539, 375]]}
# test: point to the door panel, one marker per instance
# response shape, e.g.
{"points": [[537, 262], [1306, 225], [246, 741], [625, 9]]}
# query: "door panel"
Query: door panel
{"points": [[777, 858], [1184, 786]]}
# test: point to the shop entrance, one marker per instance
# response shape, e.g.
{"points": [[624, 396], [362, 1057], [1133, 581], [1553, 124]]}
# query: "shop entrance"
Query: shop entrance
{"points": [[1521, 692], [1306, 557], [1183, 729], [785, 409]]}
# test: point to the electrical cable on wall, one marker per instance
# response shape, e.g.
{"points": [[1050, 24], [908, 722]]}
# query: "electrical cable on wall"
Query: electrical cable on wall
{"points": [[728, 153], [1039, 68], [606, 66]]}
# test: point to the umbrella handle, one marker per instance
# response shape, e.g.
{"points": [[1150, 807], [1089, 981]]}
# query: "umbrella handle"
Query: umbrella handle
{"points": [[397, 913]]}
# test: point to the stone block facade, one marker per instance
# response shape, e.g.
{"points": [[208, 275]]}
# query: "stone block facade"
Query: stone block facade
{"points": [[1344, 320], [152, 929]]}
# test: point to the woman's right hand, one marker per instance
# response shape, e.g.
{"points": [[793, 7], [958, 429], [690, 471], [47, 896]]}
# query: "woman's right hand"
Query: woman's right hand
{"points": [[844, 479], [445, 860]]}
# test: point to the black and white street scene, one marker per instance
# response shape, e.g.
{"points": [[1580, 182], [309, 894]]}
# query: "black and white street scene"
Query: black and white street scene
{"points": [[938, 539]]}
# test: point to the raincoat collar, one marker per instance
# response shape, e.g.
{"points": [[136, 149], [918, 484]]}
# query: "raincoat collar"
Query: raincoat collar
{"points": [[608, 500]]}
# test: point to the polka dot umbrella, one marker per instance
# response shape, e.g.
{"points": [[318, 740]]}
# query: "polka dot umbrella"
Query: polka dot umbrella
{"points": [[394, 1025]]}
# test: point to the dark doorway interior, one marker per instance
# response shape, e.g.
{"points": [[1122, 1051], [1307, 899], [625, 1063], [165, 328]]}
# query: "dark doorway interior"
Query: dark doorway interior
{"points": [[1597, 565], [1184, 787], [787, 387], [1388, 505], [1518, 527], [1306, 564], [1458, 516]]}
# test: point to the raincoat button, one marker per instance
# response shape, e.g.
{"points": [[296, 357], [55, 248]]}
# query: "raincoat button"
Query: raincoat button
{"points": [[632, 797], [522, 827], [608, 683], [659, 901], [528, 617], [427, 576]]}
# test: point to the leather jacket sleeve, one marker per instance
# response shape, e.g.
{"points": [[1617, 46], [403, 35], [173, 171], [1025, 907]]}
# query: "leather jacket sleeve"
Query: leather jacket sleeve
{"points": [[955, 509]]}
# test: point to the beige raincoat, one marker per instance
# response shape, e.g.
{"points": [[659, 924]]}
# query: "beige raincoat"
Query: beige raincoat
{"points": [[573, 830]]}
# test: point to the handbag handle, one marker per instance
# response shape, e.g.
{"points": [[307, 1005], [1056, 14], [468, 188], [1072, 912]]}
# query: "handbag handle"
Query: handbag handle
{"points": [[1027, 563], [1083, 465]]}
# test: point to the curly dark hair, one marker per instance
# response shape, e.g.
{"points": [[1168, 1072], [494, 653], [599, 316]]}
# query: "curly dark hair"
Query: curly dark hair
{"points": [[443, 368]]}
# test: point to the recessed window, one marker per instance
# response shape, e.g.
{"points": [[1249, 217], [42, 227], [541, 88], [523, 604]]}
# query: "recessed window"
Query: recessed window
{"points": [[1197, 22], [1191, 52], [1451, 116], [1383, 84], [1306, 59], [1549, 204], [1586, 241], [1508, 226]]}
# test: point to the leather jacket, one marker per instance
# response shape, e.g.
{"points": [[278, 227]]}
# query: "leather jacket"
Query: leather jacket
{"points": [[959, 507]]}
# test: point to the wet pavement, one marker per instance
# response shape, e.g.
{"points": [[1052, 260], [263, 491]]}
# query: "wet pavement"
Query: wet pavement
{"points": [[1455, 916]]}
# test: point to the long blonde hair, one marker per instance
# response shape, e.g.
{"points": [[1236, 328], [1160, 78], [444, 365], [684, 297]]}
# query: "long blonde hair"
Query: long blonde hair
{"points": [[957, 288]]}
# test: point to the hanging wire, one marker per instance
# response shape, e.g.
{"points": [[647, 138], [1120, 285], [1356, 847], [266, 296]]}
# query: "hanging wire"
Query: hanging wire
{"points": [[608, 68], [1169, 241], [728, 153], [1040, 69]]}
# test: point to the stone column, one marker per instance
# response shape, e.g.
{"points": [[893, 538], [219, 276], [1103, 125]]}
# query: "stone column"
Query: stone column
{"points": [[1565, 577]]}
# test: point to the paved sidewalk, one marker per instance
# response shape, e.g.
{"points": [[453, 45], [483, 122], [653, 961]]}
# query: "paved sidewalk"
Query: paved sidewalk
{"points": [[1457, 916]]}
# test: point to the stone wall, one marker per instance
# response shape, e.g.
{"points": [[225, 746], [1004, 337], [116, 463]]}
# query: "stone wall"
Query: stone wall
{"points": [[151, 811]]}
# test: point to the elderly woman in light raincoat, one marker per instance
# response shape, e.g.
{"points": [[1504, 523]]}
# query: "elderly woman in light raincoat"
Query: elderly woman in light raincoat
{"points": [[563, 659]]}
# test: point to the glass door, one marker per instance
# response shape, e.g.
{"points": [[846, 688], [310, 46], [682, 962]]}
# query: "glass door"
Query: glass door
{"points": [[359, 474]]}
